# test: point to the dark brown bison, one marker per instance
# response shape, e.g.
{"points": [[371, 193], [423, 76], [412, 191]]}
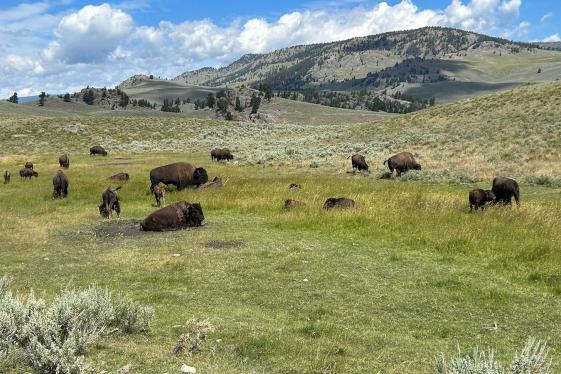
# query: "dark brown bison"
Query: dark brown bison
{"points": [[174, 217], [110, 202], [27, 173], [120, 177], [60, 185], [160, 195], [64, 161], [221, 154], [505, 189], [290, 203], [216, 182], [180, 174], [294, 186], [7, 176], [28, 165], [359, 162], [478, 198], [402, 163], [338, 202], [98, 150]]}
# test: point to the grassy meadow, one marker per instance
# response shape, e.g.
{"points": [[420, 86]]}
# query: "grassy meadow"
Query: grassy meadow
{"points": [[385, 287]]}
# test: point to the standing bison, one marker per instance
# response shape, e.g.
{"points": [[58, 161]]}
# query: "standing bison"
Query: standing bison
{"points": [[160, 195], [402, 163], [174, 217], [180, 174], [221, 154], [478, 198], [60, 185], [338, 202], [98, 150], [359, 162], [110, 202], [64, 161], [505, 189], [27, 173], [7, 176]]}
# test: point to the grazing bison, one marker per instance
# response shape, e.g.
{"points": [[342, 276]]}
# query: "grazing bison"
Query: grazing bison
{"points": [[359, 162], [180, 174], [110, 202], [402, 163], [98, 150], [60, 185], [293, 186], [28, 165], [27, 173], [290, 203], [120, 177], [340, 202], [216, 182], [64, 161], [505, 189], [174, 217], [160, 195], [221, 154], [478, 198], [7, 176]]}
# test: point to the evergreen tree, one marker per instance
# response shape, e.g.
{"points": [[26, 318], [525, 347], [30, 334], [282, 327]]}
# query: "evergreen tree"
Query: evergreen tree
{"points": [[89, 97], [42, 99], [222, 104], [238, 107], [124, 101], [267, 90], [14, 98], [210, 100], [67, 98], [255, 103]]}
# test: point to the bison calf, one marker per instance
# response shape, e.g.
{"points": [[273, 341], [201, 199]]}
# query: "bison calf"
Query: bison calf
{"points": [[338, 202], [60, 185], [110, 202], [27, 173], [160, 195], [478, 198], [7, 176], [505, 189], [174, 217]]}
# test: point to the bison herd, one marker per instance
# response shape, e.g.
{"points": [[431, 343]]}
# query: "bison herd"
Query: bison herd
{"points": [[185, 175]]}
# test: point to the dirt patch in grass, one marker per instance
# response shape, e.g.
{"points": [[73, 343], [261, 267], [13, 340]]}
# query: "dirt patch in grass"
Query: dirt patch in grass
{"points": [[224, 244], [119, 228]]}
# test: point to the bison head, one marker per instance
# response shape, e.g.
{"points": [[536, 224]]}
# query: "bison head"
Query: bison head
{"points": [[194, 216], [489, 195], [417, 167], [200, 176]]}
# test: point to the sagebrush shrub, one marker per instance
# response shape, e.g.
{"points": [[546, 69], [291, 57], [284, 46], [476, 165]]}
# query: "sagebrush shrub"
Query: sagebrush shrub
{"points": [[53, 338]]}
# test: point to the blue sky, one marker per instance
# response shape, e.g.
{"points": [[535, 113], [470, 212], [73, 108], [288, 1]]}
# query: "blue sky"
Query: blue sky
{"points": [[63, 45]]}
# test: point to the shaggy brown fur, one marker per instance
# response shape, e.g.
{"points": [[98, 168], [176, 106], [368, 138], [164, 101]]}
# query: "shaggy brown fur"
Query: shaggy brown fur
{"points": [[110, 202], [28, 165], [478, 198], [64, 161], [60, 185], [160, 195], [174, 217], [120, 177], [338, 202], [221, 154], [98, 150], [180, 174], [359, 162], [402, 163], [27, 173], [505, 189]]}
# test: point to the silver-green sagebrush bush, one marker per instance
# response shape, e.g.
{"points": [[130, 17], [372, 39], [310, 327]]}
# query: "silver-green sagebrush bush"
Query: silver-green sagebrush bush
{"points": [[53, 338], [532, 360]]}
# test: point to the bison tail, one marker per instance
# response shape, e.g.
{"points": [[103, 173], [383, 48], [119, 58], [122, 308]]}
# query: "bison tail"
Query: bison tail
{"points": [[385, 162]]}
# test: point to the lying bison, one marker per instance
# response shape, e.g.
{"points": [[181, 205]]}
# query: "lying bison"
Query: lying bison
{"points": [[7, 176], [120, 177], [27, 173], [64, 161], [359, 163], [478, 198], [221, 154], [291, 203], [505, 189], [294, 186], [98, 150], [28, 165], [110, 202], [180, 174], [174, 217], [60, 185], [338, 202], [402, 163]]}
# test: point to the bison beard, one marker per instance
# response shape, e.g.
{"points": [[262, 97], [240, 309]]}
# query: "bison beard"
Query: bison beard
{"points": [[174, 217]]}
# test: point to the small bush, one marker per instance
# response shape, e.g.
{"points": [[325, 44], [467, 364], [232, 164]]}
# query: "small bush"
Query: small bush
{"points": [[544, 180], [53, 338], [195, 334], [532, 360]]}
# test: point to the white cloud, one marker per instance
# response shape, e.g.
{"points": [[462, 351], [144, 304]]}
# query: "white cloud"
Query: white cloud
{"points": [[89, 35], [552, 38], [546, 16]]}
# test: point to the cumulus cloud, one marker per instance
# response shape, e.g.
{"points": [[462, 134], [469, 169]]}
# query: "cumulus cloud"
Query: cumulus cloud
{"points": [[552, 38], [546, 16], [89, 35], [101, 45]]}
